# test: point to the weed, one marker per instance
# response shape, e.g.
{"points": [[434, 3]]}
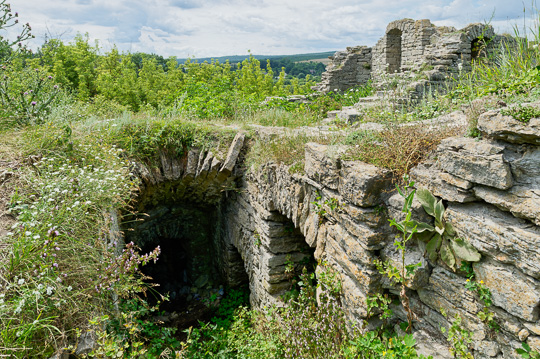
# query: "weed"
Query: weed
{"points": [[527, 353], [458, 337], [442, 241], [522, 113], [408, 228], [484, 294]]}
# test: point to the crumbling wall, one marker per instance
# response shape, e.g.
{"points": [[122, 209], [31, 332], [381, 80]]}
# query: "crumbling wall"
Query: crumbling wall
{"points": [[348, 69], [426, 54], [337, 211], [491, 189], [414, 37]]}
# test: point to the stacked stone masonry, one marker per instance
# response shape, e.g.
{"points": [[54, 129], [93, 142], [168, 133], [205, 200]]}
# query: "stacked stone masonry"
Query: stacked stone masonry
{"points": [[272, 219], [416, 50], [491, 188]]}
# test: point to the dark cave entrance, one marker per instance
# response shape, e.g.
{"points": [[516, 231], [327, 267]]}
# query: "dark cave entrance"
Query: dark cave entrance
{"points": [[192, 269]]}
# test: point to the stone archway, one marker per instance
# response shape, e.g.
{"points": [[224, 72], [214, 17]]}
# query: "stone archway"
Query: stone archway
{"points": [[393, 50]]}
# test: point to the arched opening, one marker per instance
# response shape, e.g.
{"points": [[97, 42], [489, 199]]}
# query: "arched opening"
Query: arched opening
{"points": [[478, 48], [393, 51], [193, 269], [285, 255]]}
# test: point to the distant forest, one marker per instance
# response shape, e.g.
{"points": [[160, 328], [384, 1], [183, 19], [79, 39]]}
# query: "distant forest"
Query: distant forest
{"points": [[297, 66]]}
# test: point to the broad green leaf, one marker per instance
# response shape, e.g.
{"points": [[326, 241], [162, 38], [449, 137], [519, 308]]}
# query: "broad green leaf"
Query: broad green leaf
{"points": [[447, 256], [421, 226], [427, 201], [409, 341], [439, 211], [432, 248], [424, 236], [465, 250], [449, 229], [411, 268]]}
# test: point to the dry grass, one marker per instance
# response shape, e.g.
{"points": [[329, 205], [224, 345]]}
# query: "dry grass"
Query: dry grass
{"points": [[477, 107], [287, 149], [397, 148]]}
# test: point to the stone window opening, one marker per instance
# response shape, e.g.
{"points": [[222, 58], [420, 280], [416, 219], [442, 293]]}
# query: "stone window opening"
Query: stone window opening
{"points": [[478, 48], [393, 51]]}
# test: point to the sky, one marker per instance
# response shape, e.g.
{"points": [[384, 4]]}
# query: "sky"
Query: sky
{"points": [[206, 28]]}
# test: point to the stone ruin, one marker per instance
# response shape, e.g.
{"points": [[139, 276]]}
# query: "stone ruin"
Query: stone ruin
{"points": [[425, 53], [237, 226], [265, 220]]}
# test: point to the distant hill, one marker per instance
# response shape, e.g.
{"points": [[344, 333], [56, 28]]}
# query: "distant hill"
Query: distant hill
{"points": [[239, 58]]}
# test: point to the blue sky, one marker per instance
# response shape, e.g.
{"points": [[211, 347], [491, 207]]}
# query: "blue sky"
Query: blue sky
{"points": [[203, 28]]}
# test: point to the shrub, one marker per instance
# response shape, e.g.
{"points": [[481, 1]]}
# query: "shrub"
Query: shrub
{"points": [[26, 96]]}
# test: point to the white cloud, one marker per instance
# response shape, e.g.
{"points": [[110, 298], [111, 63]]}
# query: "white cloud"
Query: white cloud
{"points": [[224, 27]]}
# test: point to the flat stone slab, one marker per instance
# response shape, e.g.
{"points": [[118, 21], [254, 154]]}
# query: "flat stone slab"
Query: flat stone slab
{"points": [[511, 290], [361, 183], [498, 234], [521, 201], [322, 163], [475, 161], [498, 126]]}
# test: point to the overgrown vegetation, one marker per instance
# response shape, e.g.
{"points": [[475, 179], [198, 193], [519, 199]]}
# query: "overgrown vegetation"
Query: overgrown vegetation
{"points": [[79, 116]]}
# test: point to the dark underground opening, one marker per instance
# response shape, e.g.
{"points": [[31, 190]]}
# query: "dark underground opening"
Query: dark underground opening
{"points": [[190, 271]]}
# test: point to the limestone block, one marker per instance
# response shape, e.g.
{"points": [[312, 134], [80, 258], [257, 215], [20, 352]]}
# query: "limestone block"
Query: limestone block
{"points": [[361, 183], [322, 164], [348, 246], [371, 217], [452, 287], [232, 155], [534, 343], [436, 301], [311, 229], [368, 238], [533, 328], [486, 348], [512, 290], [367, 278], [526, 168], [478, 162], [498, 235], [192, 163], [522, 201], [353, 297], [413, 255], [498, 126], [431, 178], [426, 345]]}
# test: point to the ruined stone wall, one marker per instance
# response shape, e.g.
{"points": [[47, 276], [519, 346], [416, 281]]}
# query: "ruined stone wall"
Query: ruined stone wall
{"points": [[491, 189], [416, 50], [406, 37], [348, 69], [337, 212]]}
